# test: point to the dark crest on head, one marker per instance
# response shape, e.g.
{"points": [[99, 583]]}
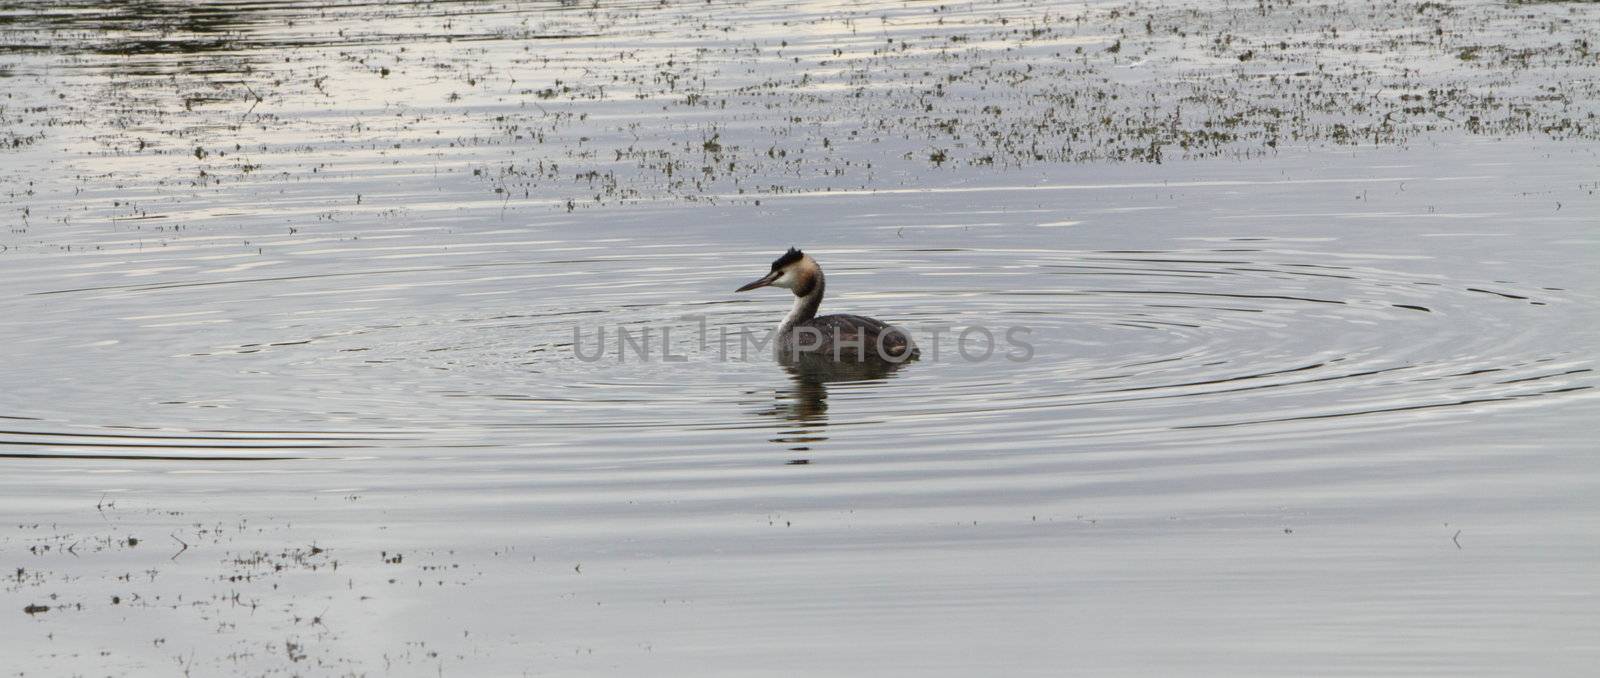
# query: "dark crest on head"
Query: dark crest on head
{"points": [[789, 257]]}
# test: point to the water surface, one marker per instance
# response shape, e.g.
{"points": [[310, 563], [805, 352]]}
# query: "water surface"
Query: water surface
{"points": [[290, 292]]}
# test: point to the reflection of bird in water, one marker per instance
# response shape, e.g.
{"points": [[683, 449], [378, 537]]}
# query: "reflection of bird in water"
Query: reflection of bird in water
{"points": [[839, 334], [805, 402]]}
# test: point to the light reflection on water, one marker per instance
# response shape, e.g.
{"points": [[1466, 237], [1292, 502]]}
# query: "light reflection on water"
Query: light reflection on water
{"points": [[1317, 408]]}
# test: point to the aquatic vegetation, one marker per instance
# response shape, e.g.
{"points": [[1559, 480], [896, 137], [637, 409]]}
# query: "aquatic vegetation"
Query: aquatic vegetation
{"points": [[300, 298]]}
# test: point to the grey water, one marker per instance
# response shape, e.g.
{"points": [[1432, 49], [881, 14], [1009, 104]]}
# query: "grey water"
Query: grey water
{"points": [[291, 289]]}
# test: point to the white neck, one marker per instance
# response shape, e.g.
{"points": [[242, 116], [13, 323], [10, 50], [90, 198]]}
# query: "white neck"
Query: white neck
{"points": [[793, 317], [805, 308]]}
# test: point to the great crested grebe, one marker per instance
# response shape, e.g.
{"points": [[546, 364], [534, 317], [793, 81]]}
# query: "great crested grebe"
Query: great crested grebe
{"points": [[805, 331]]}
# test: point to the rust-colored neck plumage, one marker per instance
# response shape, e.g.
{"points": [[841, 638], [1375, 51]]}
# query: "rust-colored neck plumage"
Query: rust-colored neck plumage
{"points": [[807, 298]]}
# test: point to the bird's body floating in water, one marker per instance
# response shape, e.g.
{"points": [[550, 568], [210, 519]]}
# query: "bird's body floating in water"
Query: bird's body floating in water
{"points": [[839, 335]]}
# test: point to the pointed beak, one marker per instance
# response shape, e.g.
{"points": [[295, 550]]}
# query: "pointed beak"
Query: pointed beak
{"points": [[763, 282]]}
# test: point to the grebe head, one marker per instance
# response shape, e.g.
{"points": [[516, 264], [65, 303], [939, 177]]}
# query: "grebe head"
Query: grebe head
{"points": [[794, 271]]}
